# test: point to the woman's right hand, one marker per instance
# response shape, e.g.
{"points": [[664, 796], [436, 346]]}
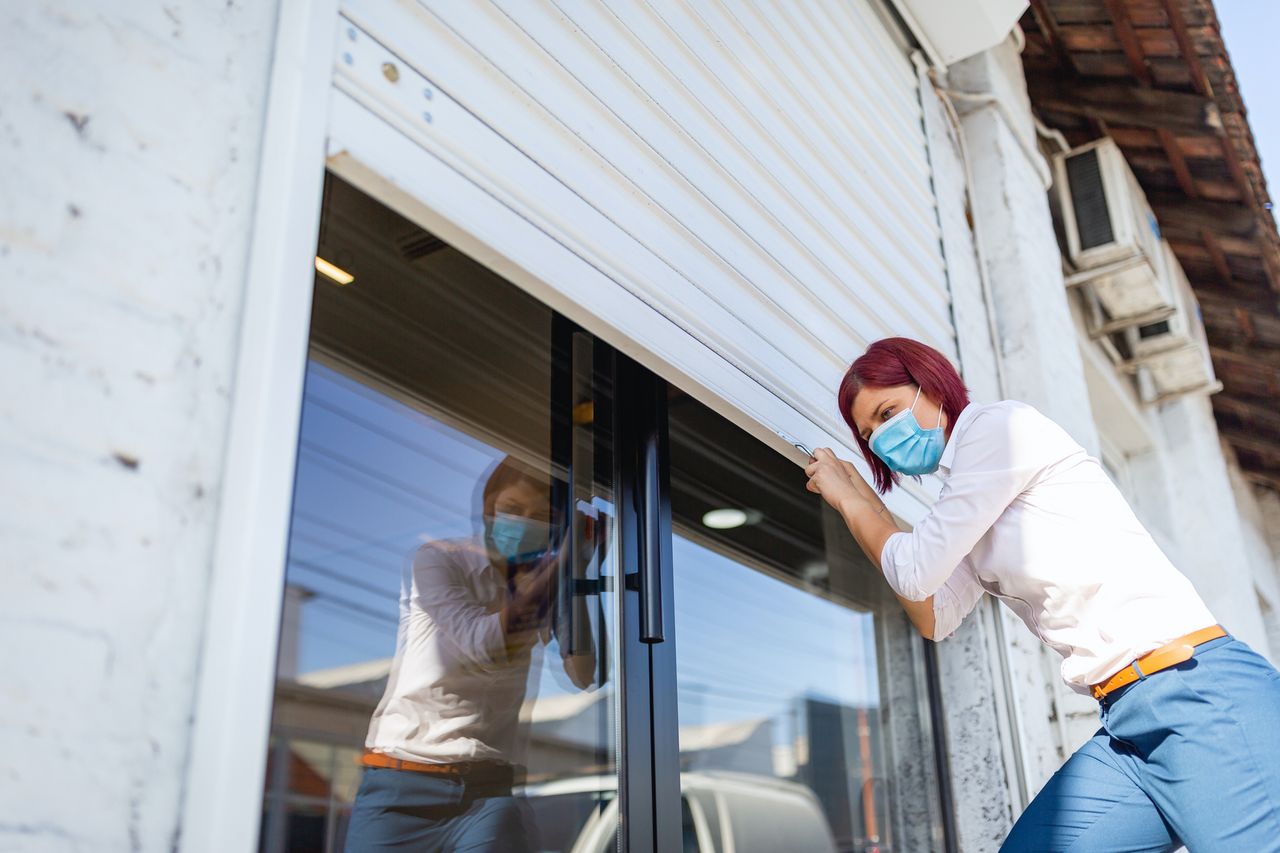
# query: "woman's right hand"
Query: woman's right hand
{"points": [[864, 488], [829, 478]]}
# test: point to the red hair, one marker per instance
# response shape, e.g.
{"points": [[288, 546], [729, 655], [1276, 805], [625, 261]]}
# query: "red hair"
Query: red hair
{"points": [[891, 362], [509, 472]]}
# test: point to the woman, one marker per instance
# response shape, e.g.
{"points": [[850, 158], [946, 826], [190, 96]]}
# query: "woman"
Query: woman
{"points": [[446, 743], [1189, 749]]}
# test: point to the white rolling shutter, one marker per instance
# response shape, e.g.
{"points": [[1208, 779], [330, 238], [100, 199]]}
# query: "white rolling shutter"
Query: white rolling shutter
{"points": [[736, 193]]}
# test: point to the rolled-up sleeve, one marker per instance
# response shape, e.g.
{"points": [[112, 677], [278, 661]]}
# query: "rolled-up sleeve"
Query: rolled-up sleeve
{"points": [[470, 625], [953, 601], [995, 459]]}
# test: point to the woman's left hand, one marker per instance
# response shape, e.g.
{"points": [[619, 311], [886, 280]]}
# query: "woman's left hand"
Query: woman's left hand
{"points": [[829, 476]]}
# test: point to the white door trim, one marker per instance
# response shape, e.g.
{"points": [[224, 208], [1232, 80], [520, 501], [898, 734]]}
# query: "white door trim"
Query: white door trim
{"points": [[222, 797]]}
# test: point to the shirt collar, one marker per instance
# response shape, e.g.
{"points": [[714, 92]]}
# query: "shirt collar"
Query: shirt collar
{"points": [[949, 451]]}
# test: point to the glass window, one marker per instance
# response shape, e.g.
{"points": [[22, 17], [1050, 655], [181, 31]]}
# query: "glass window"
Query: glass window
{"points": [[792, 709], [446, 644], [449, 647]]}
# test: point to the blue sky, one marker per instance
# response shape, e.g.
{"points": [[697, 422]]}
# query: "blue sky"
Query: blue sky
{"points": [[1250, 29]]}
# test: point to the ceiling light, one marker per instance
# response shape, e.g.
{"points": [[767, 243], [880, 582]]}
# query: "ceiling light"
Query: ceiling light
{"points": [[335, 273], [724, 519], [728, 518]]}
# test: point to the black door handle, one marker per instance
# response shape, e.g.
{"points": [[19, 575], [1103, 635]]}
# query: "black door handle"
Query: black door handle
{"points": [[651, 523]]}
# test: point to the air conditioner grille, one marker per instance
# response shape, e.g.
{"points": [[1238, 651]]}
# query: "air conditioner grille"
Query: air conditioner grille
{"points": [[1154, 330], [1088, 200]]}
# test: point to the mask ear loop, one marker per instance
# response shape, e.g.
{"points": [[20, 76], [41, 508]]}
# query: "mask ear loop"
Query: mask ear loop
{"points": [[920, 388]]}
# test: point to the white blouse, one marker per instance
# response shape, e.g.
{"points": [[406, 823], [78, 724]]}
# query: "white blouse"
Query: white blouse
{"points": [[1026, 515], [453, 693]]}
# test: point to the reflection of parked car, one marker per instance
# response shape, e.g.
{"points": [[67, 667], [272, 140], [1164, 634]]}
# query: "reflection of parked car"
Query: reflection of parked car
{"points": [[721, 811]]}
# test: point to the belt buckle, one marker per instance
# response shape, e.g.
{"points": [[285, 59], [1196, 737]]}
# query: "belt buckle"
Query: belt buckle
{"points": [[1169, 655]]}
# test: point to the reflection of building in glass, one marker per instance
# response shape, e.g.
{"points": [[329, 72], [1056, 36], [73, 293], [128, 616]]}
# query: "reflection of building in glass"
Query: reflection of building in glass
{"points": [[319, 728], [845, 767], [746, 746], [565, 733], [836, 750]]}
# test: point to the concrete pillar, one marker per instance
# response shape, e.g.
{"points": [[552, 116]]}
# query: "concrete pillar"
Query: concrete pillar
{"points": [[291, 630], [1002, 693], [1039, 354], [982, 757], [1037, 338]]}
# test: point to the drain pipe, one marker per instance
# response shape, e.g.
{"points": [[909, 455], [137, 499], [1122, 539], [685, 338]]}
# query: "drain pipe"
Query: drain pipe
{"points": [[1054, 136], [979, 249], [988, 99], [1037, 160]]}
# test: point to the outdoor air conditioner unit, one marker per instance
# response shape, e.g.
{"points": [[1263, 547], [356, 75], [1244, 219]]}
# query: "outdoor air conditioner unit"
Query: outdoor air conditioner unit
{"points": [[1175, 351], [1113, 239]]}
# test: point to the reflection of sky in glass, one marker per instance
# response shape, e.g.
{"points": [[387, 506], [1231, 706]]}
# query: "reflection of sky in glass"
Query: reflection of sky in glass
{"points": [[375, 479], [750, 644]]}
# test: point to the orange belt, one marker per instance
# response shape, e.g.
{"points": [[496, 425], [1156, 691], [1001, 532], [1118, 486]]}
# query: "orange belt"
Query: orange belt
{"points": [[1170, 654], [460, 768]]}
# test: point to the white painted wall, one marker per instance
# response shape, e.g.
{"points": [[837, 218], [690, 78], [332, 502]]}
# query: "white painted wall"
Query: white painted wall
{"points": [[1037, 336], [1258, 540], [1268, 525], [1211, 548], [131, 142]]}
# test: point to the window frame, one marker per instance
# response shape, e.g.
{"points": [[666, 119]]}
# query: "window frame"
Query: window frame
{"points": [[234, 685], [231, 706]]}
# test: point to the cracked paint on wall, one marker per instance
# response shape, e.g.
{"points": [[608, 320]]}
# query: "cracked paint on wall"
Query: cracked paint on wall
{"points": [[130, 133]]}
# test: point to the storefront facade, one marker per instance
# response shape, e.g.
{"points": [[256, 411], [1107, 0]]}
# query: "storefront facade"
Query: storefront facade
{"points": [[683, 642], [593, 271], [640, 240]]}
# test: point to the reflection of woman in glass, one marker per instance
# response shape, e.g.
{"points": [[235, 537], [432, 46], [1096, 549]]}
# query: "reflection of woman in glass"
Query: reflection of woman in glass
{"points": [[1190, 740], [443, 748]]}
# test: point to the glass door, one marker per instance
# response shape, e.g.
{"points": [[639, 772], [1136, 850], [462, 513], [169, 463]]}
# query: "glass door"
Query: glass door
{"points": [[450, 649], [537, 599], [803, 713]]}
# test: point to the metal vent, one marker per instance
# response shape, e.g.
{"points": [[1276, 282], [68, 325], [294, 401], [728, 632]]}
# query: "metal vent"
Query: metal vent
{"points": [[416, 245], [1088, 200]]}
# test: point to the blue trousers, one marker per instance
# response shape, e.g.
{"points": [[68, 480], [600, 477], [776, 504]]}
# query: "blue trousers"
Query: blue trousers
{"points": [[405, 810], [1188, 755]]}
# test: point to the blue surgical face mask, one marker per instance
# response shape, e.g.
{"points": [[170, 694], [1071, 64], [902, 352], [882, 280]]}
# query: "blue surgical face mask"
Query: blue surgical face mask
{"points": [[519, 539], [905, 446]]}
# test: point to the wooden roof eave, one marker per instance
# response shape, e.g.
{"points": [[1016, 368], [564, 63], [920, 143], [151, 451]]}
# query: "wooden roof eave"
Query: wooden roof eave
{"points": [[1144, 72]]}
